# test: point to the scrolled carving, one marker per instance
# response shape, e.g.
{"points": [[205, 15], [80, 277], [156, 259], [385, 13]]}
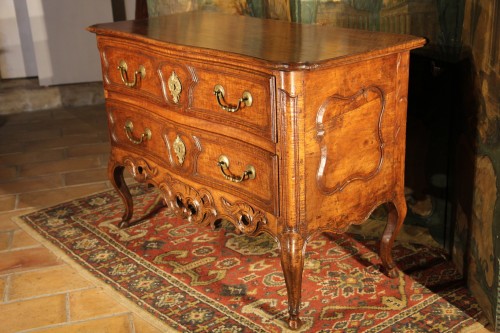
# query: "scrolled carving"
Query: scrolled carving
{"points": [[196, 206], [140, 169], [248, 220]]}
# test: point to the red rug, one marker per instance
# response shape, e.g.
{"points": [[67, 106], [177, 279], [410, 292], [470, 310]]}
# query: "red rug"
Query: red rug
{"points": [[199, 280]]}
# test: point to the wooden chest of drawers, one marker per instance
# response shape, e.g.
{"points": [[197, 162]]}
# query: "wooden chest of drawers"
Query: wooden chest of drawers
{"points": [[276, 127]]}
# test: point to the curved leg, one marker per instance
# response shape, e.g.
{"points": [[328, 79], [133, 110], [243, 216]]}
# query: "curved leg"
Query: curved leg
{"points": [[292, 263], [396, 216], [115, 175]]}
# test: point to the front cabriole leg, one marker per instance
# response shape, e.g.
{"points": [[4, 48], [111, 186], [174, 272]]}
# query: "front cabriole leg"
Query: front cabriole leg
{"points": [[396, 216], [115, 175], [292, 247]]}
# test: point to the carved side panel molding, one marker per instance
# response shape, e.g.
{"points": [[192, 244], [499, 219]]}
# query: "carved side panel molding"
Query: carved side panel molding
{"points": [[349, 149]]}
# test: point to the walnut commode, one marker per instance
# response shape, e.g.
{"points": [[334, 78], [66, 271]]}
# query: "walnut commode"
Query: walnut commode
{"points": [[276, 127]]}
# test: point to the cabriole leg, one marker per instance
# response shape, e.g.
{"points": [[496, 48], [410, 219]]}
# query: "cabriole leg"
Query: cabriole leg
{"points": [[292, 263], [396, 216], [115, 175]]}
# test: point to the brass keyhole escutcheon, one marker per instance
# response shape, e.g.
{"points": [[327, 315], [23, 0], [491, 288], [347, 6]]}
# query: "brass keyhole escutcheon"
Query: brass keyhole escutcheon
{"points": [[175, 87], [179, 149]]}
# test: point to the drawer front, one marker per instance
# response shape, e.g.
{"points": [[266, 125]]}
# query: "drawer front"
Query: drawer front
{"points": [[211, 159], [246, 101], [238, 168], [223, 163], [134, 129], [131, 70]]}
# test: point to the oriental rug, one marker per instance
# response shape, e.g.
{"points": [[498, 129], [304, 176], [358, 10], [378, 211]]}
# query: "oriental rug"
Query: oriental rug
{"points": [[196, 279]]}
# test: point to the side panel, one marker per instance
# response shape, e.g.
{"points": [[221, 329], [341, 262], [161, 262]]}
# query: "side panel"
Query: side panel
{"points": [[355, 134]]}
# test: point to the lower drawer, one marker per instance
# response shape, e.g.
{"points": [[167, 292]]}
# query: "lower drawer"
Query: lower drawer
{"points": [[205, 157]]}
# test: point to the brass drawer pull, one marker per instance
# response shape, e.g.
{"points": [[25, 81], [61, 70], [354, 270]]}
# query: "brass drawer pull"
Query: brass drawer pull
{"points": [[223, 163], [129, 127], [123, 73], [246, 99]]}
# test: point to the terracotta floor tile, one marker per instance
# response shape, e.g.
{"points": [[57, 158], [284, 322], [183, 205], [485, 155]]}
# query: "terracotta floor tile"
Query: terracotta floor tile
{"points": [[7, 173], [142, 326], [8, 218], [21, 239], [77, 128], [65, 141], [5, 238], [92, 303], [21, 135], [8, 202], [66, 165], [86, 176], [3, 283], [17, 316], [28, 259], [88, 112], [31, 184], [12, 148], [90, 149], [118, 324], [53, 280], [29, 117], [35, 156], [51, 197], [6, 223]]}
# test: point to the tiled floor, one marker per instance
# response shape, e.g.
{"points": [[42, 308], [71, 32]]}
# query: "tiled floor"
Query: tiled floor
{"points": [[47, 157]]}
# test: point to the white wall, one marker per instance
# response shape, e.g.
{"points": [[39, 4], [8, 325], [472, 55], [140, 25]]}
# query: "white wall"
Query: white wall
{"points": [[47, 38], [17, 57]]}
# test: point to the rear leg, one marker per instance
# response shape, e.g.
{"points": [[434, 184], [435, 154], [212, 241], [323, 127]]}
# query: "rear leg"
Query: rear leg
{"points": [[396, 215]]}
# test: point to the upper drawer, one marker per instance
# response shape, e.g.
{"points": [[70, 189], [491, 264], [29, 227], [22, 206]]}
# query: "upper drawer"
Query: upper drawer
{"points": [[141, 74], [243, 99], [128, 69]]}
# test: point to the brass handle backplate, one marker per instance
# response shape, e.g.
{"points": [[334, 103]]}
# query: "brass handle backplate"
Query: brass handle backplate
{"points": [[129, 127], [141, 72], [246, 99], [223, 163]]}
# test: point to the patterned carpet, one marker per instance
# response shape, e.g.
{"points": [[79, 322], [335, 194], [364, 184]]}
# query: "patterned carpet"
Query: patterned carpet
{"points": [[200, 280]]}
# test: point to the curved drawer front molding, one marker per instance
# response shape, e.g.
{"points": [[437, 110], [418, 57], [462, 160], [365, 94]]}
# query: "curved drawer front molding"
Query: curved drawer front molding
{"points": [[349, 132]]}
